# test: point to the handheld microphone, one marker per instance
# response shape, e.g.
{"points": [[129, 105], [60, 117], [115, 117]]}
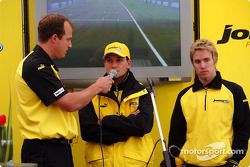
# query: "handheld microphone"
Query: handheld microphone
{"points": [[112, 73]]}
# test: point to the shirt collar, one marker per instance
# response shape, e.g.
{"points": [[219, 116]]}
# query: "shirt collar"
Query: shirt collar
{"points": [[214, 84], [41, 52]]}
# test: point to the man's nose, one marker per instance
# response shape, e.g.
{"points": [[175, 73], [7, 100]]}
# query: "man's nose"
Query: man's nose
{"points": [[202, 64], [70, 44], [114, 64]]}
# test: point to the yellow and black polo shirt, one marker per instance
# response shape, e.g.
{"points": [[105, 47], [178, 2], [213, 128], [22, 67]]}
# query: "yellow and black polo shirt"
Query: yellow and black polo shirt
{"points": [[37, 86]]}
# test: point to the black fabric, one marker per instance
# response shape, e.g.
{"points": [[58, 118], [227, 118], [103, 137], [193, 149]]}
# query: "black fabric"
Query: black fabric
{"points": [[178, 128], [117, 128], [214, 84], [54, 140], [90, 129], [228, 164], [47, 153], [241, 120], [38, 74]]}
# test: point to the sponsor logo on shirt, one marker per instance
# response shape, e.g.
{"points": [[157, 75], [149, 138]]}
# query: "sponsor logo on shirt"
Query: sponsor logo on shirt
{"points": [[59, 91], [104, 105], [221, 101], [41, 66], [133, 104]]}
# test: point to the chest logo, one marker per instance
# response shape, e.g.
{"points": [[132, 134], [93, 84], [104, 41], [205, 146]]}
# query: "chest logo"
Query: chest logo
{"points": [[222, 101], [42, 66], [104, 105], [133, 104]]}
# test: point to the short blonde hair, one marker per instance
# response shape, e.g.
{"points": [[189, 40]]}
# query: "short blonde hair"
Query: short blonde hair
{"points": [[204, 44]]}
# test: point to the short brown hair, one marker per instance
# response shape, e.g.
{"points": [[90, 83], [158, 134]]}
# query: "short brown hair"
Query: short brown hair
{"points": [[52, 24], [204, 44]]}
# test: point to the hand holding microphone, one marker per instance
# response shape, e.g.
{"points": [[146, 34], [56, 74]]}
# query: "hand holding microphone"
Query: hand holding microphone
{"points": [[105, 83]]}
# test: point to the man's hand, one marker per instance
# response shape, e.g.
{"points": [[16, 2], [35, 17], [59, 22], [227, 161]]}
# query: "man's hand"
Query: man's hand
{"points": [[104, 84]]}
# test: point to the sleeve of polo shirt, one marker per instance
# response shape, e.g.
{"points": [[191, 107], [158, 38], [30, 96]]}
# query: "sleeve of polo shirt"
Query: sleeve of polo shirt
{"points": [[43, 81]]}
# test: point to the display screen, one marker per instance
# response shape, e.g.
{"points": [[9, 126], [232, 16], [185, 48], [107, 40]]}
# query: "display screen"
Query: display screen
{"points": [[157, 32]]}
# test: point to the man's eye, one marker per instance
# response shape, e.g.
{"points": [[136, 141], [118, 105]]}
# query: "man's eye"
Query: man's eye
{"points": [[207, 60]]}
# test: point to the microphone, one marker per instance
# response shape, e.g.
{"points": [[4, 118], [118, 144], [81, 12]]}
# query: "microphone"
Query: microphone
{"points": [[112, 73]]}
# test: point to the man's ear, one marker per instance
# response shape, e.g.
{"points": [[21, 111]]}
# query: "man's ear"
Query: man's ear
{"points": [[53, 37], [129, 63]]}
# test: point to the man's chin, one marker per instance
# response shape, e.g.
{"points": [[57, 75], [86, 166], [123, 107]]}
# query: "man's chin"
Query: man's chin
{"points": [[203, 76]]}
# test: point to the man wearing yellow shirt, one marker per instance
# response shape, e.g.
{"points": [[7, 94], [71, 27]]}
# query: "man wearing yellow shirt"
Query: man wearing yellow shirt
{"points": [[117, 124], [210, 124], [45, 107]]}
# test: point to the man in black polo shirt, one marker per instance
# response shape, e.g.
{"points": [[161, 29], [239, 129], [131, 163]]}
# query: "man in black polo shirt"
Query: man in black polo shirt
{"points": [[45, 107]]}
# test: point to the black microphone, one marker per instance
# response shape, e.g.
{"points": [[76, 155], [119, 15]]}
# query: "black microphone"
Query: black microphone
{"points": [[112, 73]]}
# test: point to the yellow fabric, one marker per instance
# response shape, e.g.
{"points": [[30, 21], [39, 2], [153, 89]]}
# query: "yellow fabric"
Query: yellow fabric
{"points": [[179, 162], [55, 72], [209, 131], [133, 152], [118, 94], [38, 121], [117, 48]]}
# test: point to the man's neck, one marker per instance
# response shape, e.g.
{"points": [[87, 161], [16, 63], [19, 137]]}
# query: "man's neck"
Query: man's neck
{"points": [[121, 79], [207, 81], [47, 49]]}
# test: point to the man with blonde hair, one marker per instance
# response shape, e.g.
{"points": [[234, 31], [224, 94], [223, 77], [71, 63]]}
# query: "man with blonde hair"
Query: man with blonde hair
{"points": [[210, 124]]}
